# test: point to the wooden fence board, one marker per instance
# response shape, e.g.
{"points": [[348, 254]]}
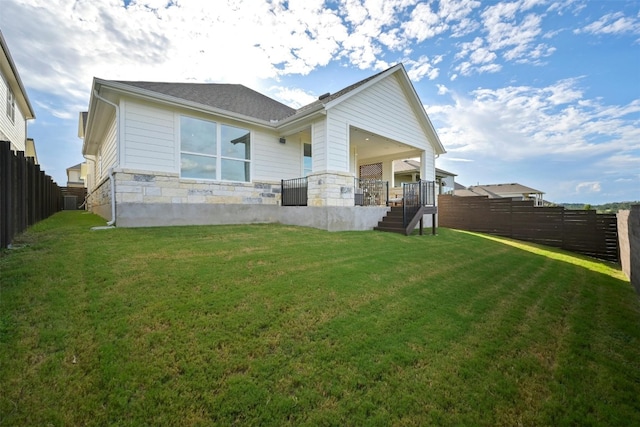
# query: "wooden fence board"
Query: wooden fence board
{"points": [[27, 194], [584, 232]]}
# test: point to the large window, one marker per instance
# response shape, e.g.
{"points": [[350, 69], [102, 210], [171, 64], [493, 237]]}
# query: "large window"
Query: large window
{"points": [[11, 105], [209, 150]]}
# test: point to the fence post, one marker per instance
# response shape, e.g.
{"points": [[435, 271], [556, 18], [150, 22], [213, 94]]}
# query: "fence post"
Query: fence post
{"points": [[27, 194], [5, 193]]}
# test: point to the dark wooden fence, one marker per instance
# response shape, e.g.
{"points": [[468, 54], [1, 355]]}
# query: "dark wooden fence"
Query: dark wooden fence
{"points": [[584, 232], [77, 194], [27, 194]]}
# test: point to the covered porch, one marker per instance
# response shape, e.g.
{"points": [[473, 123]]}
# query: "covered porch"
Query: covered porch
{"points": [[366, 176]]}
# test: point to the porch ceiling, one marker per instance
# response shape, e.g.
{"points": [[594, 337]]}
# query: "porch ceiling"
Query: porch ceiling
{"points": [[371, 145]]}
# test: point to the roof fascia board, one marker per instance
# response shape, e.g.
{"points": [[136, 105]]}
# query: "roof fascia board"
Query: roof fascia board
{"points": [[179, 102], [419, 109], [16, 83], [91, 112], [289, 123]]}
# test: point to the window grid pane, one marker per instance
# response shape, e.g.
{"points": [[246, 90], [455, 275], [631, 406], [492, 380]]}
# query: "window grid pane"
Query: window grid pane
{"points": [[235, 142], [201, 157], [197, 166]]}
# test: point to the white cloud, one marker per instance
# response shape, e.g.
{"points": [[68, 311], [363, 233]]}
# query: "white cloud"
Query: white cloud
{"points": [[294, 98], [423, 67], [612, 23], [515, 38], [425, 23], [588, 187], [553, 122], [442, 89]]}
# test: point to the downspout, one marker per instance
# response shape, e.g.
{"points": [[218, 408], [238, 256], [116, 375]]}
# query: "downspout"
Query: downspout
{"points": [[112, 179]]}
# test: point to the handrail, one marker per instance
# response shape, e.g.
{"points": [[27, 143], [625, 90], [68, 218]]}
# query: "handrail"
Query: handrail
{"points": [[371, 192], [416, 195]]}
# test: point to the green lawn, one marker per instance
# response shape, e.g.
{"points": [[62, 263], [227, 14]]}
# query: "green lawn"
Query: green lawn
{"points": [[278, 325]]}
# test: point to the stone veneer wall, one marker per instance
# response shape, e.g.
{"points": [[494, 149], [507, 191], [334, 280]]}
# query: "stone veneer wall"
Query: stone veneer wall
{"points": [[331, 189], [144, 187], [147, 200], [99, 201]]}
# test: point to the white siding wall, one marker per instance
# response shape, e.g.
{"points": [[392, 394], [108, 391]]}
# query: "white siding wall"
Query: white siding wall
{"points": [[107, 153], [273, 161], [319, 146], [149, 137], [14, 131], [151, 142], [382, 109], [338, 141]]}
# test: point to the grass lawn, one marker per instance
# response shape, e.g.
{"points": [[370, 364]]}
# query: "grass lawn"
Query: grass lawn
{"points": [[278, 325]]}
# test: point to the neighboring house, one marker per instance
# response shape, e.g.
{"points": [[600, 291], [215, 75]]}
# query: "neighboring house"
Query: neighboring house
{"points": [[187, 153], [512, 191], [15, 108], [75, 176], [408, 170]]}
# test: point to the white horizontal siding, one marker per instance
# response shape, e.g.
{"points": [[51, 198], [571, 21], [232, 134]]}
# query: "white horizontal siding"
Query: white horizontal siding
{"points": [[273, 161], [338, 145], [149, 137], [319, 145], [107, 153], [382, 109], [385, 110], [14, 131]]}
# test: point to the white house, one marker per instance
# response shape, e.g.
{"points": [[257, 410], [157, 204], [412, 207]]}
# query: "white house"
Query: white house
{"points": [[187, 153], [15, 108], [408, 170], [75, 175]]}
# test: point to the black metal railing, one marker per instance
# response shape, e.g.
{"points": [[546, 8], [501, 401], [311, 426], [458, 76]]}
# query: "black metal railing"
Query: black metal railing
{"points": [[416, 195], [371, 192], [294, 192]]}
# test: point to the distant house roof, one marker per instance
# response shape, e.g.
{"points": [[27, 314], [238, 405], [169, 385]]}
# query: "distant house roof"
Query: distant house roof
{"points": [[10, 71], [406, 166], [502, 190], [75, 167], [412, 165]]}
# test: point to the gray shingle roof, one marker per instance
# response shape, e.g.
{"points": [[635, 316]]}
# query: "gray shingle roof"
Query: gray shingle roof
{"points": [[230, 97], [239, 99], [323, 100]]}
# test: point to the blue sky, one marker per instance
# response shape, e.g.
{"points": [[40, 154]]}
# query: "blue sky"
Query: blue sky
{"points": [[541, 92]]}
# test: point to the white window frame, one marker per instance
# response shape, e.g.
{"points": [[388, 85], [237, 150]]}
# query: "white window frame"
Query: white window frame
{"points": [[11, 105], [218, 155], [305, 171]]}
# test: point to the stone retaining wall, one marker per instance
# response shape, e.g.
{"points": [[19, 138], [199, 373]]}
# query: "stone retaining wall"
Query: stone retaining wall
{"points": [[141, 187]]}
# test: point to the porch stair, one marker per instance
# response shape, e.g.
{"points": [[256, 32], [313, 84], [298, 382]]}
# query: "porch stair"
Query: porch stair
{"points": [[393, 223]]}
